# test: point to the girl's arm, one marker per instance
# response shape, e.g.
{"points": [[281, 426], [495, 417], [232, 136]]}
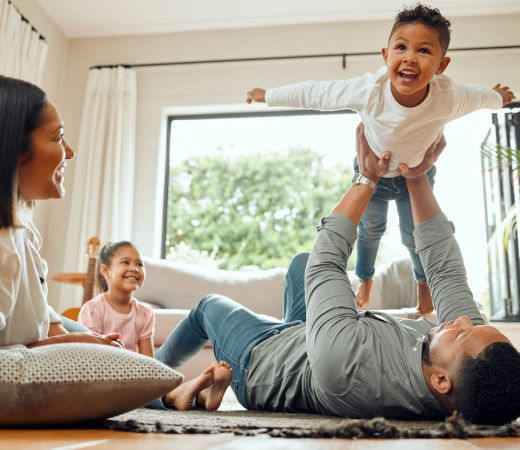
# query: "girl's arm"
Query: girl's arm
{"points": [[145, 347], [90, 316], [146, 317]]}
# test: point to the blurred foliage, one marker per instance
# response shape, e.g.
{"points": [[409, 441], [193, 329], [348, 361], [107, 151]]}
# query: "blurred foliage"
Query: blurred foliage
{"points": [[255, 210]]}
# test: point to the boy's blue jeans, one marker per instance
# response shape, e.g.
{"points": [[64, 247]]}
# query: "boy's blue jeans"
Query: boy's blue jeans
{"points": [[233, 329], [373, 225]]}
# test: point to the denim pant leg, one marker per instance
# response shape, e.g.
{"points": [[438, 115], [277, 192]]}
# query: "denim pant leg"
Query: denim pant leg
{"points": [[232, 329], [72, 326], [406, 227], [294, 294], [371, 228]]}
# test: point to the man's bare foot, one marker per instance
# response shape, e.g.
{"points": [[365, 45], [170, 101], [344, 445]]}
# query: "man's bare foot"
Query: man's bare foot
{"points": [[182, 396], [363, 292], [424, 299], [211, 397]]}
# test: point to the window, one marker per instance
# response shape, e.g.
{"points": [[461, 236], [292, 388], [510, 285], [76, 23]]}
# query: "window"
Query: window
{"points": [[261, 216], [249, 189]]}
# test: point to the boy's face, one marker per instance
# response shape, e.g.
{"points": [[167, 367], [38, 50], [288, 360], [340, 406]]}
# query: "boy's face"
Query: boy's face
{"points": [[414, 55]]}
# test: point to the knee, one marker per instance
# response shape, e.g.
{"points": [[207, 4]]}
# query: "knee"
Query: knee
{"points": [[408, 240], [206, 301], [371, 230], [299, 261]]}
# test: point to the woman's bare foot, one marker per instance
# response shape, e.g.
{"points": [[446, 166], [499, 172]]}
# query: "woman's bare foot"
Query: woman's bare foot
{"points": [[363, 292], [424, 299], [181, 398], [211, 397]]}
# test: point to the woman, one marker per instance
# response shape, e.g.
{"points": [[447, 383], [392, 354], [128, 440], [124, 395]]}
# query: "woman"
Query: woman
{"points": [[33, 158]]}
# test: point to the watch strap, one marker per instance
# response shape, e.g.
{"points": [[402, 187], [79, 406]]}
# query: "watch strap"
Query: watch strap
{"points": [[361, 179]]}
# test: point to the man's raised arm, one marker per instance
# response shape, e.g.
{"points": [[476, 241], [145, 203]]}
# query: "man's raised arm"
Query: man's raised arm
{"points": [[332, 317], [439, 251]]}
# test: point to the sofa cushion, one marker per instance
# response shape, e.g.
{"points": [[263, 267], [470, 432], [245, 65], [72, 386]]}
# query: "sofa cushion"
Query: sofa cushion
{"points": [[178, 285], [65, 383]]}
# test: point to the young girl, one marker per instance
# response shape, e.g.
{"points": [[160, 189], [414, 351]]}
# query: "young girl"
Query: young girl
{"points": [[120, 272]]}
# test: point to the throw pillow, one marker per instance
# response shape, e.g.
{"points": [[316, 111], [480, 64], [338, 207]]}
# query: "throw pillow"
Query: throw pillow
{"points": [[68, 383]]}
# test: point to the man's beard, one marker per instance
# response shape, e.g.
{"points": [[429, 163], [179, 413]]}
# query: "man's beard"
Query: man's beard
{"points": [[426, 357]]}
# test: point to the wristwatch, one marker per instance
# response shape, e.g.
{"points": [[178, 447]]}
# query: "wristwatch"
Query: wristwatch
{"points": [[361, 179]]}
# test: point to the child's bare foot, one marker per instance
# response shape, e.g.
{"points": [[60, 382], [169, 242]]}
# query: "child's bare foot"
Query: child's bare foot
{"points": [[211, 397], [363, 292], [424, 299], [182, 396]]}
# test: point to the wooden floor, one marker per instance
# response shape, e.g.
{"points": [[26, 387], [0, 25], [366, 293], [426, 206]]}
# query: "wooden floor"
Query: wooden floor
{"points": [[117, 440], [71, 439]]}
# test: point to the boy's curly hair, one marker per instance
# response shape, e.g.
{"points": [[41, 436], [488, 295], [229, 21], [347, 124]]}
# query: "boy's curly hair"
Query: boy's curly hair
{"points": [[431, 17]]}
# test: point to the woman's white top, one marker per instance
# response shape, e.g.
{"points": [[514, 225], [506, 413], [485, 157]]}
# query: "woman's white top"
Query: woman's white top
{"points": [[24, 312]]}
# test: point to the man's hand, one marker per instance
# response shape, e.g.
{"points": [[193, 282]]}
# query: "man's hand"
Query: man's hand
{"points": [[256, 95], [506, 94], [369, 165], [430, 158]]}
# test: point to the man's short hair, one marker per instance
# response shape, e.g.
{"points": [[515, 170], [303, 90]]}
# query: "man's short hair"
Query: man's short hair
{"points": [[488, 386], [431, 17]]}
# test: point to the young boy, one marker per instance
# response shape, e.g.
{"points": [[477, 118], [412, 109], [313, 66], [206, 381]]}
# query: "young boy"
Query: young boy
{"points": [[404, 107]]}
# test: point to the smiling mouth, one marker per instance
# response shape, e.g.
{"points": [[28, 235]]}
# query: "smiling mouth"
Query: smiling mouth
{"points": [[131, 277], [407, 75], [61, 170]]}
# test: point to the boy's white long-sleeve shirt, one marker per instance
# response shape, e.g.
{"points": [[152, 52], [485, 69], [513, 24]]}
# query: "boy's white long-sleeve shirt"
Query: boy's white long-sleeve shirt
{"points": [[406, 132]]}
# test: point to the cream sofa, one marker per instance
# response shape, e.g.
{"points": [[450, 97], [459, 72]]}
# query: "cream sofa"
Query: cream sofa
{"points": [[173, 288]]}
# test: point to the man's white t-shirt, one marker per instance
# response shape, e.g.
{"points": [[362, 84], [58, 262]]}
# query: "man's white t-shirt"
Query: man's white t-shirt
{"points": [[24, 312], [406, 132]]}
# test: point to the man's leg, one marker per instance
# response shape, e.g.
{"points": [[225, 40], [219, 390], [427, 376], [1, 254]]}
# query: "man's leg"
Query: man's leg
{"points": [[72, 326], [294, 293], [232, 329]]}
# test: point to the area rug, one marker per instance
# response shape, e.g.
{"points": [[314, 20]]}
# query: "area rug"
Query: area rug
{"points": [[250, 423]]}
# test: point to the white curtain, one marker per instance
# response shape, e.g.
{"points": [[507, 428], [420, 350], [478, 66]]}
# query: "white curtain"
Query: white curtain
{"points": [[22, 49], [103, 190]]}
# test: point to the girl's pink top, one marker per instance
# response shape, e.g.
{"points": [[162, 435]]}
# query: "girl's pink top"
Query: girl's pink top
{"points": [[100, 317]]}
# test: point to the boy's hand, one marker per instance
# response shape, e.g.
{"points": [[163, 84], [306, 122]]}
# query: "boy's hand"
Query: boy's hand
{"points": [[430, 158], [256, 95], [370, 165], [505, 92]]}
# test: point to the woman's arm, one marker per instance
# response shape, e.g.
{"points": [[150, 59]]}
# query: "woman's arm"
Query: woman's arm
{"points": [[112, 339], [55, 329]]}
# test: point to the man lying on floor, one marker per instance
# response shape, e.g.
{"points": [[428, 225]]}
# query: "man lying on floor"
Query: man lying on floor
{"points": [[327, 357]]}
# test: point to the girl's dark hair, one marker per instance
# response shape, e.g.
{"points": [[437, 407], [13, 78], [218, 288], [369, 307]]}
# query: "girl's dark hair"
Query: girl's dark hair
{"points": [[106, 254], [21, 106], [431, 17]]}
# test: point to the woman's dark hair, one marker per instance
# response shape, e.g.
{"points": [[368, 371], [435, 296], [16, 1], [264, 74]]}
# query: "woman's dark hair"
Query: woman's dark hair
{"points": [[21, 106], [431, 17], [488, 387], [106, 254]]}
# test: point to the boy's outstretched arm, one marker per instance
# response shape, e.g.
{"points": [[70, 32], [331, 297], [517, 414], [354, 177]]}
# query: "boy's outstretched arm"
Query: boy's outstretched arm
{"points": [[256, 95], [506, 93]]}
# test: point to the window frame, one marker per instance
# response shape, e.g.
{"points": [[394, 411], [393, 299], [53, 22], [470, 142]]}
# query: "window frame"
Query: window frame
{"points": [[220, 115]]}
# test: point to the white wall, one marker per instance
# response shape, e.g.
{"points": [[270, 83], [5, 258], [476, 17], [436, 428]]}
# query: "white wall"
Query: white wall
{"points": [[163, 87], [52, 80]]}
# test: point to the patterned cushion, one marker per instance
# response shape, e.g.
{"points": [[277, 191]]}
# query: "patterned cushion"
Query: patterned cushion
{"points": [[66, 383]]}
